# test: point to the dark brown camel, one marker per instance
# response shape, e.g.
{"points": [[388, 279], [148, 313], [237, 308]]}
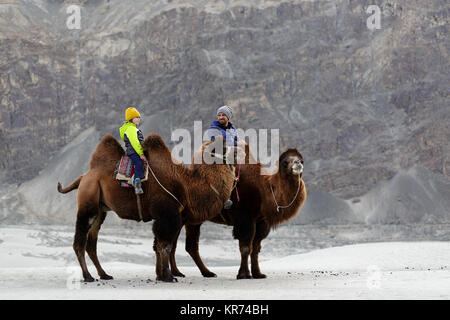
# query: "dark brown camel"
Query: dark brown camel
{"points": [[206, 186], [256, 212]]}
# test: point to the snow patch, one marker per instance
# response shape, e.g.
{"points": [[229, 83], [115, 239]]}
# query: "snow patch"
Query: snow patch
{"points": [[40, 264]]}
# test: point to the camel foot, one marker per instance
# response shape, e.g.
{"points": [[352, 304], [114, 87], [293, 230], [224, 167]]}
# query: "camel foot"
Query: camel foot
{"points": [[178, 274], [88, 278], [259, 276], [167, 277], [106, 277], [243, 276], [209, 274]]}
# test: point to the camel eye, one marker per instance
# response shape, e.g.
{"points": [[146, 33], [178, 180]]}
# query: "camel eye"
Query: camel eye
{"points": [[284, 164]]}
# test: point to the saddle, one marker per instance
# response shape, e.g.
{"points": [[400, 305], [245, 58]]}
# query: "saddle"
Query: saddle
{"points": [[125, 171]]}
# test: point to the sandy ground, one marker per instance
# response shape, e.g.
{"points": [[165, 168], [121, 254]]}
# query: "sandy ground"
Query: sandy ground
{"points": [[42, 265]]}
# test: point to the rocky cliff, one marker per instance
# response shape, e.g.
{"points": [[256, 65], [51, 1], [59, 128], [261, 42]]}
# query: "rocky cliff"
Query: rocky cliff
{"points": [[360, 104]]}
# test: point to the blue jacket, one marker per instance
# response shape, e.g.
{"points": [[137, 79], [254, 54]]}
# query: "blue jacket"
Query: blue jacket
{"points": [[231, 137]]}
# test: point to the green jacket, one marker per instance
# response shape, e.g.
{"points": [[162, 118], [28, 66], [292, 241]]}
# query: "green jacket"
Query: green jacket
{"points": [[133, 138]]}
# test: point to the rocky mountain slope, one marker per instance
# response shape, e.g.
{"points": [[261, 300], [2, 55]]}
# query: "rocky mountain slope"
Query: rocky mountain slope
{"points": [[416, 195], [361, 105]]}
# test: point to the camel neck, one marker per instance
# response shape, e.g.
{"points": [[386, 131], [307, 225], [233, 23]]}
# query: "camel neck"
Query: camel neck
{"points": [[284, 177], [279, 182]]}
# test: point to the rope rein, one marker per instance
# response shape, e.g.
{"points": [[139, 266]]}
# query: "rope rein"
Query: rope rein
{"points": [[154, 176], [182, 207], [236, 180], [284, 207]]}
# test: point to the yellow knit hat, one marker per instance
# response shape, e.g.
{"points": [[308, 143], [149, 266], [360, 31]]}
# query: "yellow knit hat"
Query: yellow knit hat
{"points": [[131, 113]]}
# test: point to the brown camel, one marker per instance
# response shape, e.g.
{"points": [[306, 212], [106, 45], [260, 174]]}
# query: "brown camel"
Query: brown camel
{"points": [[257, 210], [199, 191]]}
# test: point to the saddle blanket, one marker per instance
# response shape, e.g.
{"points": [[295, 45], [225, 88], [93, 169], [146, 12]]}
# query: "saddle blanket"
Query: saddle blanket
{"points": [[125, 171]]}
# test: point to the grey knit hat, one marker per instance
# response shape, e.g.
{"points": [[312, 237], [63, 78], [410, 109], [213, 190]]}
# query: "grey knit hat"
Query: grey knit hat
{"points": [[226, 110]]}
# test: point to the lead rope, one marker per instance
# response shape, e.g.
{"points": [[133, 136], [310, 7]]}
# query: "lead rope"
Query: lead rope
{"points": [[284, 207], [154, 176], [236, 180]]}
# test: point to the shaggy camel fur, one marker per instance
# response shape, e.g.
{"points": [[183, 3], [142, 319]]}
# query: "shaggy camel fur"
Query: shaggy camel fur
{"points": [[201, 192], [255, 213]]}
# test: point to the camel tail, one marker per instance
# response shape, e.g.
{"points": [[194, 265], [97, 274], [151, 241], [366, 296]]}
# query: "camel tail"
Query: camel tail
{"points": [[73, 186]]}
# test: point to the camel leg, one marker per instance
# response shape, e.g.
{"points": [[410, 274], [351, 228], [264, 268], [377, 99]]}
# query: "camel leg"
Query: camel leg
{"points": [[79, 244], [244, 231], [158, 265], [163, 248], [91, 246], [192, 238], [245, 249], [165, 228], [173, 263], [261, 232]]}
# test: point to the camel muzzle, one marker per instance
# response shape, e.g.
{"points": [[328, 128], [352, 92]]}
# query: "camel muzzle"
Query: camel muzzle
{"points": [[297, 169]]}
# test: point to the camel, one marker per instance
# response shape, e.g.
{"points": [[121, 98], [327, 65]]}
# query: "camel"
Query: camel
{"points": [[265, 201], [196, 192]]}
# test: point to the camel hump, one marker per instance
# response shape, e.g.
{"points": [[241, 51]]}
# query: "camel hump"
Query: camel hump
{"points": [[108, 149]]}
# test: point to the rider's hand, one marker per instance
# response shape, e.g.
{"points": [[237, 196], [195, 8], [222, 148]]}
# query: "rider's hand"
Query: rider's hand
{"points": [[143, 158]]}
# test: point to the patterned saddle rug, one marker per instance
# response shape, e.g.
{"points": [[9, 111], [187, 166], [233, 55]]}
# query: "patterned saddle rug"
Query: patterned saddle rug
{"points": [[125, 171]]}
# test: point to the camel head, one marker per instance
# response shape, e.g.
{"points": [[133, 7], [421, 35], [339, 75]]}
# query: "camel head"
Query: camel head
{"points": [[291, 163]]}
